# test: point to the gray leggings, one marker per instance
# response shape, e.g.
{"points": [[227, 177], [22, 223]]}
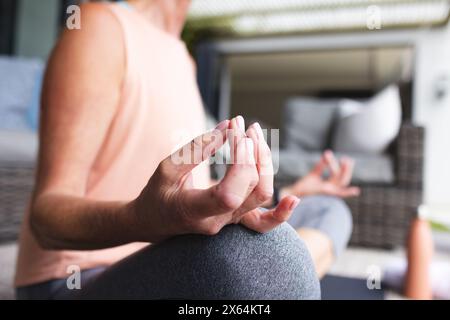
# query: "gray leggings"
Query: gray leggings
{"points": [[235, 264]]}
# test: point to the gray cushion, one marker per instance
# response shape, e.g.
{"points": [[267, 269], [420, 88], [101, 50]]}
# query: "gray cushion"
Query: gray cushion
{"points": [[292, 164], [17, 82], [307, 122], [18, 146]]}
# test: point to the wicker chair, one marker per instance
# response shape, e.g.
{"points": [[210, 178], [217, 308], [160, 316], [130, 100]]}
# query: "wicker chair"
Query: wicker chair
{"points": [[382, 214], [16, 183]]}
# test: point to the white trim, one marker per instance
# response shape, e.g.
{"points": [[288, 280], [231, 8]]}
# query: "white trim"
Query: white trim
{"points": [[320, 41]]}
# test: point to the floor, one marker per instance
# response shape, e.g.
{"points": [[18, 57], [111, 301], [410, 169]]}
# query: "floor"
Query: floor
{"points": [[360, 262]]}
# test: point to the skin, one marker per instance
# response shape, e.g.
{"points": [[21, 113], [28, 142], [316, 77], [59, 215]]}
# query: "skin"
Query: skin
{"points": [[78, 104]]}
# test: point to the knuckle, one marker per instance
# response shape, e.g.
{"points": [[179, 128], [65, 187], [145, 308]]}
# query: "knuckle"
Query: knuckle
{"points": [[164, 168], [265, 151], [254, 179], [253, 184], [226, 200], [264, 195], [209, 229], [213, 229], [186, 221]]}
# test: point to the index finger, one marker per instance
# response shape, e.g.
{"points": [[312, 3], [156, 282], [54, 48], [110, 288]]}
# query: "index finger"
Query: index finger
{"points": [[347, 166], [185, 159], [332, 164]]}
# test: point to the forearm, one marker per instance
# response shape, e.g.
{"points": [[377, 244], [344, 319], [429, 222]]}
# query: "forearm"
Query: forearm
{"points": [[68, 222]]}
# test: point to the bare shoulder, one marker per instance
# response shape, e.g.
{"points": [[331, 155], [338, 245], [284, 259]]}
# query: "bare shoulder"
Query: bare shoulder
{"points": [[87, 62], [99, 39], [97, 19], [97, 11]]}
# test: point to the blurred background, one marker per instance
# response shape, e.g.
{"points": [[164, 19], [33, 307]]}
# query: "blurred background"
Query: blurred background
{"points": [[369, 79]]}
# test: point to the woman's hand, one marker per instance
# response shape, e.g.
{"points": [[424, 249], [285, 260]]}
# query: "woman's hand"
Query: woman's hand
{"points": [[338, 184], [169, 205]]}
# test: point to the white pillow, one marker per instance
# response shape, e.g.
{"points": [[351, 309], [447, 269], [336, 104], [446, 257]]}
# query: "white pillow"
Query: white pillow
{"points": [[368, 127]]}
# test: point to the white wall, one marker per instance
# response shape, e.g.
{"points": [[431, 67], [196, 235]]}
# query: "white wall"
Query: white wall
{"points": [[433, 62]]}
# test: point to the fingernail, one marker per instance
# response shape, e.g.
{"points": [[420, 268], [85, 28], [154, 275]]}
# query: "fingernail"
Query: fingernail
{"points": [[223, 125], [294, 204], [241, 123]]}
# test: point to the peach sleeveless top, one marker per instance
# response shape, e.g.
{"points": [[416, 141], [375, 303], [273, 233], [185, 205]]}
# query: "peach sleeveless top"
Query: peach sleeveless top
{"points": [[160, 110]]}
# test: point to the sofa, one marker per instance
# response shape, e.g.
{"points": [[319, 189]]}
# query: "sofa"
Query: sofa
{"points": [[20, 86], [390, 180], [19, 104]]}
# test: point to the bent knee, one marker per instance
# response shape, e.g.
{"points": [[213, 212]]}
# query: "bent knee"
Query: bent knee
{"points": [[327, 214], [340, 209], [274, 265], [329, 210]]}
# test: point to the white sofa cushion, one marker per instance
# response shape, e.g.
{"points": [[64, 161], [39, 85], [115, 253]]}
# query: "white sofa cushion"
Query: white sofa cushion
{"points": [[368, 127]]}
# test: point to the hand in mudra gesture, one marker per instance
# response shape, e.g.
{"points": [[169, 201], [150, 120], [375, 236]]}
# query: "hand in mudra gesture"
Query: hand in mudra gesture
{"points": [[169, 205], [337, 184]]}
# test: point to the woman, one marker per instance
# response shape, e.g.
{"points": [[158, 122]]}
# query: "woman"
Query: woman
{"points": [[114, 93]]}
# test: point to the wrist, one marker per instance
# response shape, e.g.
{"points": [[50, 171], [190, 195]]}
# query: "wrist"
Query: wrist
{"points": [[131, 222], [148, 224]]}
